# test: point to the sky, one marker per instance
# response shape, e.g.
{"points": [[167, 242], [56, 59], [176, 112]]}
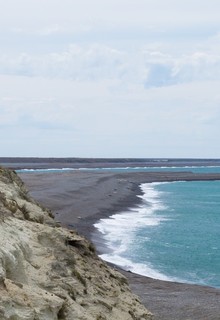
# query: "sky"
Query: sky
{"points": [[110, 78]]}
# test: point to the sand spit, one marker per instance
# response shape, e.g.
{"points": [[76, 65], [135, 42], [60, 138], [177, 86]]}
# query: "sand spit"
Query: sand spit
{"points": [[49, 272]]}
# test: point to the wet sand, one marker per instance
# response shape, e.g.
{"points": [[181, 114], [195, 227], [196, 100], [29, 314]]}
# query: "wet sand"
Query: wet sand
{"points": [[78, 199]]}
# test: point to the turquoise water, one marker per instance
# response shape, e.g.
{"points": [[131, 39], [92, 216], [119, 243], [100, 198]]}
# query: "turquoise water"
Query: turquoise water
{"points": [[173, 236]]}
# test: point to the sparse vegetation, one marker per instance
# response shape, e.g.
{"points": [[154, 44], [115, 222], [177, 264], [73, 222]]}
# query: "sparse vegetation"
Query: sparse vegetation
{"points": [[92, 247], [11, 205], [25, 211], [79, 277], [101, 317]]}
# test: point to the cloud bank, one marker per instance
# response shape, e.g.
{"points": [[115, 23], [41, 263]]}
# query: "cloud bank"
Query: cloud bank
{"points": [[108, 79]]}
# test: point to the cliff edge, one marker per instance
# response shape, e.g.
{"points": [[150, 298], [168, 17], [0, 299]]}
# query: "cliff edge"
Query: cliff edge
{"points": [[51, 273]]}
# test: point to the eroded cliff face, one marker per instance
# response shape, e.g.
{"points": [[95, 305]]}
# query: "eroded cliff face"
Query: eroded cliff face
{"points": [[48, 272]]}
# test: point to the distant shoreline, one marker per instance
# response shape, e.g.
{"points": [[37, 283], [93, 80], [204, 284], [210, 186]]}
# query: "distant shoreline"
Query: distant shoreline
{"points": [[44, 163]]}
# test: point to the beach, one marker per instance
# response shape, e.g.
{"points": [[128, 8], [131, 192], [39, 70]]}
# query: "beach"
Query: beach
{"points": [[79, 198]]}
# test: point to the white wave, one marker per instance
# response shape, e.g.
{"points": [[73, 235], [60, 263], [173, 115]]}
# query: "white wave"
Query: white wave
{"points": [[120, 230], [151, 196], [147, 168], [166, 168], [138, 268], [45, 170]]}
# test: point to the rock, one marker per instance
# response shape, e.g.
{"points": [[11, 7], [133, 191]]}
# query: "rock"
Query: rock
{"points": [[51, 273]]}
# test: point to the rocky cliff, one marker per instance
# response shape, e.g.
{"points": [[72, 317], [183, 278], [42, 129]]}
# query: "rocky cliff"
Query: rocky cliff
{"points": [[51, 273]]}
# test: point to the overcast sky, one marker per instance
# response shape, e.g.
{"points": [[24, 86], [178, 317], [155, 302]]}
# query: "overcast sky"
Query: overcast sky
{"points": [[110, 78]]}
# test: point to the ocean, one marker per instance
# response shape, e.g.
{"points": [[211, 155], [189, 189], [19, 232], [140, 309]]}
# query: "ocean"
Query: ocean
{"points": [[196, 169], [173, 235]]}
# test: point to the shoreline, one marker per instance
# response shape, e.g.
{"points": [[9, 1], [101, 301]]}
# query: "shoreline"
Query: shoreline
{"points": [[79, 199]]}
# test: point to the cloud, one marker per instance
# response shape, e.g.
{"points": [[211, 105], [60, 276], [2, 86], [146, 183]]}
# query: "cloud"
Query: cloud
{"points": [[152, 43], [100, 120], [100, 62], [169, 70], [98, 78], [110, 12]]}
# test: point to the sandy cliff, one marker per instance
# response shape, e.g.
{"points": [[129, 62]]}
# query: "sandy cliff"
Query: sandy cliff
{"points": [[48, 272]]}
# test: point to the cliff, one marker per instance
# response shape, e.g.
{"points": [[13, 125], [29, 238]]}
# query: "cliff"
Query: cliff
{"points": [[51, 273]]}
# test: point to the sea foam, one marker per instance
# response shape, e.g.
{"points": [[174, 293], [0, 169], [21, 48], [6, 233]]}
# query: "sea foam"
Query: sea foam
{"points": [[120, 232]]}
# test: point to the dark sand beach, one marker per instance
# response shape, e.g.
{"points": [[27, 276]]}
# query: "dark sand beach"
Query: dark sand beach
{"points": [[78, 199]]}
